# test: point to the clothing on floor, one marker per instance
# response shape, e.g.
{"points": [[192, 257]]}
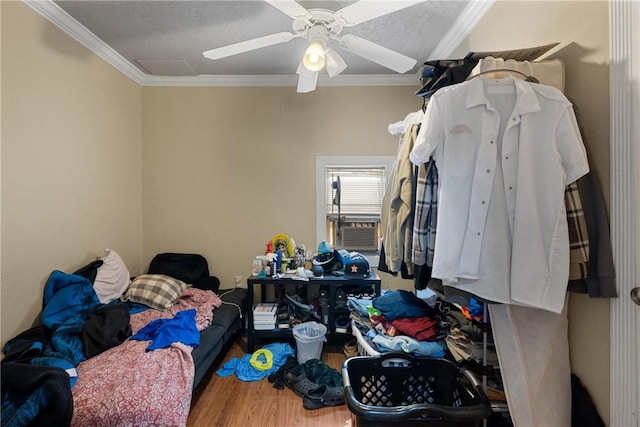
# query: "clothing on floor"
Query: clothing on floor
{"points": [[314, 369], [245, 371]]}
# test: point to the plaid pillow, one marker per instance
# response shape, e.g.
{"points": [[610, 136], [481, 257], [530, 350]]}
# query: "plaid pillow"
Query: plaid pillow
{"points": [[155, 290]]}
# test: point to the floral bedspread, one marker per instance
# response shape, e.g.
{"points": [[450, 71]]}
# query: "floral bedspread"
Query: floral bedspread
{"points": [[128, 386]]}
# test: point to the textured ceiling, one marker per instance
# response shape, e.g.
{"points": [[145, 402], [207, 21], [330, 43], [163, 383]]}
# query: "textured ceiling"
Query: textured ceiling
{"points": [[167, 38]]}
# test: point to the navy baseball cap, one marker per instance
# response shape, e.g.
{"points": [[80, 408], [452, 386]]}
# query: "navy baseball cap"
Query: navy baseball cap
{"points": [[357, 267]]}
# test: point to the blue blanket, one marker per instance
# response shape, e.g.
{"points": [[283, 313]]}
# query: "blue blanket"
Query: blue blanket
{"points": [[69, 301], [38, 370]]}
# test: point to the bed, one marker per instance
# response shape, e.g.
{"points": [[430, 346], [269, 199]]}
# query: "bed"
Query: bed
{"points": [[141, 363]]}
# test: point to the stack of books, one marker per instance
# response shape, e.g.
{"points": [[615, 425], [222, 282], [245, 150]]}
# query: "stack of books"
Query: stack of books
{"points": [[264, 316]]}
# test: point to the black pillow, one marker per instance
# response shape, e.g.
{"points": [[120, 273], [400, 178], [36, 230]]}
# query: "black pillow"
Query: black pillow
{"points": [[192, 269]]}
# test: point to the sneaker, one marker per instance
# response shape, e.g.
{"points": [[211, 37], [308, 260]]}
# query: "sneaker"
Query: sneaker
{"points": [[323, 298], [342, 324], [282, 318], [350, 348], [341, 298]]}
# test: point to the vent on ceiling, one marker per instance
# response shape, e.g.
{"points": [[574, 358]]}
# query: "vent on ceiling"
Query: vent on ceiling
{"points": [[166, 67]]}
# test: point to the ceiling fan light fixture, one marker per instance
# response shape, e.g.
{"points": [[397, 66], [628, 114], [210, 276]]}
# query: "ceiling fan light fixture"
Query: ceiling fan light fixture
{"points": [[334, 63], [314, 57], [307, 80]]}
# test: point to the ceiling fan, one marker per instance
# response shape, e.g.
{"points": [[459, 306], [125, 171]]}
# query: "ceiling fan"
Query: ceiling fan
{"points": [[319, 26]]}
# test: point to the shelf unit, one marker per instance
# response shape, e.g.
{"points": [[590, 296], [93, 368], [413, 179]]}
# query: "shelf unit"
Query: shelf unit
{"points": [[330, 281]]}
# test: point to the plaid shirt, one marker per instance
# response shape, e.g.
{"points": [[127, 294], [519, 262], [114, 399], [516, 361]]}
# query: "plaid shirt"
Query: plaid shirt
{"points": [[424, 225], [578, 233], [425, 216]]}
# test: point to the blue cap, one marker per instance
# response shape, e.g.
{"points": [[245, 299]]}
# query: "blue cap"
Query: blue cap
{"points": [[324, 247], [357, 267]]}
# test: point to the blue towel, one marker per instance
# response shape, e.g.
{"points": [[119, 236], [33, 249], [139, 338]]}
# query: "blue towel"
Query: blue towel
{"points": [[246, 372]]}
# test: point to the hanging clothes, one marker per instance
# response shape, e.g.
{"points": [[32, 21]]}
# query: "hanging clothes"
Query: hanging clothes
{"points": [[426, 213], [401, 127], [424, 223], [599, 279], [534, 362], [505, 149], [397, 207], [578, 233]]}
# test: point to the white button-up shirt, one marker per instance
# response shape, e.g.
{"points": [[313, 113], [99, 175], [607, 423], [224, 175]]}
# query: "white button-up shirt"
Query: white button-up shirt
{"points": [[505, 149]]}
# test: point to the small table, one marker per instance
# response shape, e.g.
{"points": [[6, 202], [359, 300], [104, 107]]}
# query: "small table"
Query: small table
{"points": [[332, 282]]}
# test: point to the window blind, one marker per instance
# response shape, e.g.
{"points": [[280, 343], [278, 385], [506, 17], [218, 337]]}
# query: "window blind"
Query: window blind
{"points": [[361, 190]]}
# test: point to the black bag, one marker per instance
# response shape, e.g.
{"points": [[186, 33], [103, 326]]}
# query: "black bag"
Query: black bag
{"points": [[444, 72]]}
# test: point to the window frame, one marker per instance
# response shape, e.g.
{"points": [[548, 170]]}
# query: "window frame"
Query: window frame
{"points": [[322, 163]]}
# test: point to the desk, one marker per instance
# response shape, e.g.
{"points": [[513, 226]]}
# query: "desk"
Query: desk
{"points": [[332, 283]]}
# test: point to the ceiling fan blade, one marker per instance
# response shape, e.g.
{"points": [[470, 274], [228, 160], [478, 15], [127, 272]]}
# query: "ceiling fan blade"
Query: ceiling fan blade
{"points": [[245, 46], [365, 10], [374, 52], [307, 80], [291, 8]]}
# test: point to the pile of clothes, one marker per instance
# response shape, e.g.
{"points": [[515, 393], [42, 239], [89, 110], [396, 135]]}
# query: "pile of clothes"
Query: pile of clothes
{"points": [[399, 320]]}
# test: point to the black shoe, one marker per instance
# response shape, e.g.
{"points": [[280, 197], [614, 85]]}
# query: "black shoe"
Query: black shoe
{"points": [[323, 396], [341, 299], [342, 324]]}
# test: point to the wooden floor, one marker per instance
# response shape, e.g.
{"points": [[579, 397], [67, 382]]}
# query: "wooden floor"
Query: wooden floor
{"points": [[229, 402]]}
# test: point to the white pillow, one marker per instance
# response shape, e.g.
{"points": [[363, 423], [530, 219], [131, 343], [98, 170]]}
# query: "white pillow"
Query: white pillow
{"points": [[112, 278]]}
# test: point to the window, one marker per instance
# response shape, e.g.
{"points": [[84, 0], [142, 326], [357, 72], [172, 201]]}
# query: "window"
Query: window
{"points": [[349, 193]]}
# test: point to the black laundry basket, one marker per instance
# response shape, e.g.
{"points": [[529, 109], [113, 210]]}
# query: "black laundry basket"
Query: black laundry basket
{"points": [[404, 390]]}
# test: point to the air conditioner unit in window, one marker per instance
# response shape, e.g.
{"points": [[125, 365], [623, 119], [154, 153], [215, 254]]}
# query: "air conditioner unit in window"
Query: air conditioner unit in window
{"points": [[357, 236]]}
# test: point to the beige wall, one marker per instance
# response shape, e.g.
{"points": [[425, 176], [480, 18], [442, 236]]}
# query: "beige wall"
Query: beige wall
{"points": [[225, 169], [584, 26], [71, 155]]}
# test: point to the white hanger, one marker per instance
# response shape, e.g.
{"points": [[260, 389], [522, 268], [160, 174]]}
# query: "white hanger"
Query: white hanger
{"points": [[401, 127]]}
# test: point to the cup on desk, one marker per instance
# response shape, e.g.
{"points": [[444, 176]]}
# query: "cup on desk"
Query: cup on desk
{"points": [[256, 267]]}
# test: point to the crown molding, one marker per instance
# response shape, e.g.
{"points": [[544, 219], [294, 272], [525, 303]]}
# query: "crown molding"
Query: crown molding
{"points": [[460, 29], [281, 80], [57, 16]]}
